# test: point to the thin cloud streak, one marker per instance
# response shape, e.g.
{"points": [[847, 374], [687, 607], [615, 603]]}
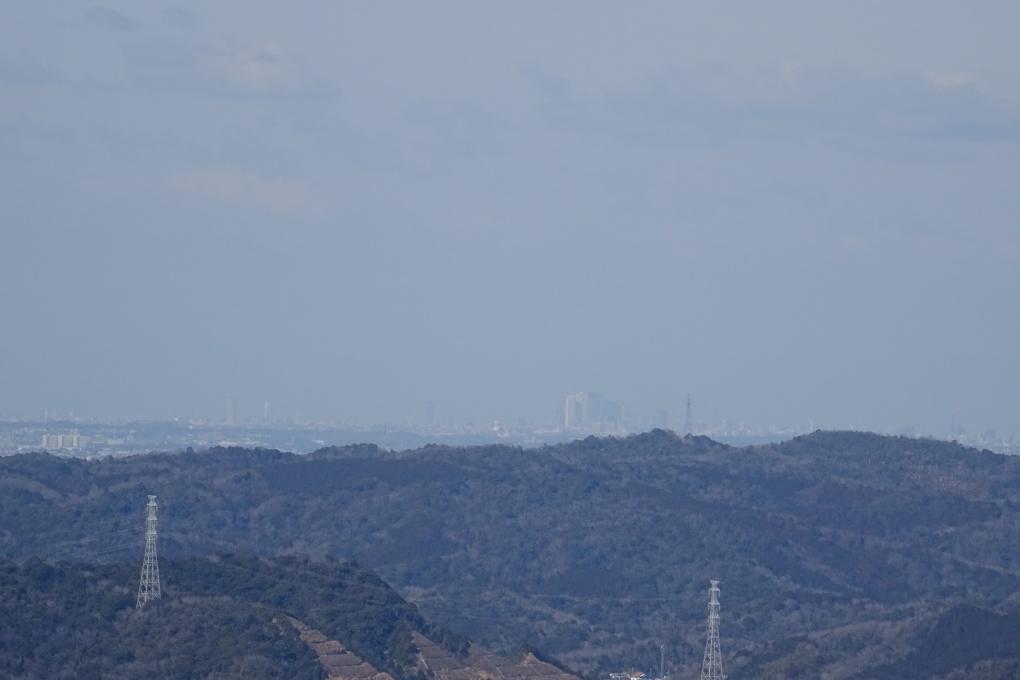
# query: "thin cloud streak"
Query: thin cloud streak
{"points": [[284, 197]]}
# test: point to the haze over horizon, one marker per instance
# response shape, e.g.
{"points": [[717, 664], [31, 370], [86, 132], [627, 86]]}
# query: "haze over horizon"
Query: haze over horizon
{"points": [[352, 209]]}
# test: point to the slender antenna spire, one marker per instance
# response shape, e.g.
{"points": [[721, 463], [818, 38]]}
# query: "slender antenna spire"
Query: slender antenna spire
{"points": [[148, 586], [711, 666], [688, 422]]}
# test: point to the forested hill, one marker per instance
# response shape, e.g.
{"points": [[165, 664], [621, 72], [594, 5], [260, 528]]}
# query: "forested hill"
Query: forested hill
{"points": [[222, 617], [839, 552]]}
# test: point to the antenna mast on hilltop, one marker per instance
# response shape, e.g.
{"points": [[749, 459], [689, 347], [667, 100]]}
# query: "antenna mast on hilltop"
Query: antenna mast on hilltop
{"points": [[711, 667], [688, 422], [148, 586]]}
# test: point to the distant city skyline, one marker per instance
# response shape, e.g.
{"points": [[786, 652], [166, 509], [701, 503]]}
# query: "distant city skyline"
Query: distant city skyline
{"points": [[85, 438], [579, 414]]}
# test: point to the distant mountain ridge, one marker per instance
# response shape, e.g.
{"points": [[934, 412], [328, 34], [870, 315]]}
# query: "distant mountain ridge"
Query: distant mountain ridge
{"points": [[837, 550]]}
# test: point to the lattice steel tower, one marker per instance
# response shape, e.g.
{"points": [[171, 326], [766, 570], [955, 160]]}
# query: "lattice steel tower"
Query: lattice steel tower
{"points": [[148, 586], [711, 666]]}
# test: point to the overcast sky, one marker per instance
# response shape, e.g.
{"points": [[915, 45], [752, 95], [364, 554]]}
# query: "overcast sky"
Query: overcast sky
{"points": [[349, 208]]}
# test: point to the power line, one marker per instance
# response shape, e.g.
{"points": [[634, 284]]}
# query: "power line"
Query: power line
{"points": [[73, 536], [69, 554]]}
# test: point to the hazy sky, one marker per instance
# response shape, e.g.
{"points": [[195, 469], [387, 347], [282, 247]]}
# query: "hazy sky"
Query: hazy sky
{"points": [[350, 208]]}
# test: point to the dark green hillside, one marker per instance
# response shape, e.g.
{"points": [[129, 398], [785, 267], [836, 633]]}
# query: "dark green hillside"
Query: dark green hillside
{"points": [[836, 550], [224, 616], [961, 638], [79, 622]]}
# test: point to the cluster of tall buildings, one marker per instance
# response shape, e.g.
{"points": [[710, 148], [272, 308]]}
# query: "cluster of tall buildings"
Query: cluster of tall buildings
{"points": [[590, 412], [72, 441], [230, 413]]}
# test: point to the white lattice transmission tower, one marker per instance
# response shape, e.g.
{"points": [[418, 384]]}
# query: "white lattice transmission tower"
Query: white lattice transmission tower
{"points": [[148, 585], [711, 666]]}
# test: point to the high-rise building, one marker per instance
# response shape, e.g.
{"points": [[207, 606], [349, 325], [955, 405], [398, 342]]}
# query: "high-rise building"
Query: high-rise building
{"points": [[591, 409], [588, 411], [573, 417], [72, 441]]}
